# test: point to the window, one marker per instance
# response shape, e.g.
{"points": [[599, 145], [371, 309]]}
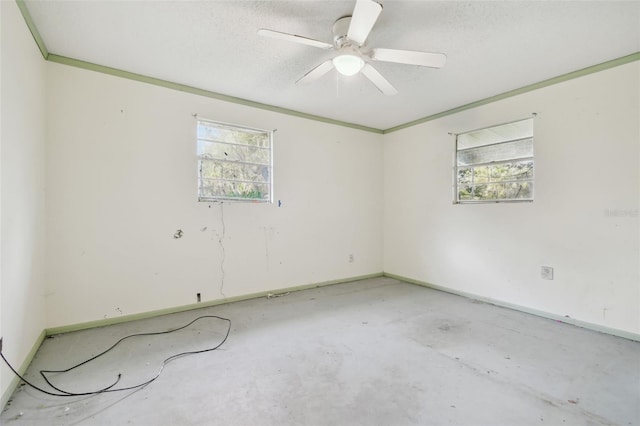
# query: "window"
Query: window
{"points": [[234, 163], [495, 164]]}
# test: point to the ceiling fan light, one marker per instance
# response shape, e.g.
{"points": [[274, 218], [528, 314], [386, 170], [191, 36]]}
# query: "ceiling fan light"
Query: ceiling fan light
{"points": [[348, 64]]}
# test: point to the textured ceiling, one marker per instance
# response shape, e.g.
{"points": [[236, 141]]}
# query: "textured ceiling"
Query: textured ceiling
{"points": [[492, 47]]}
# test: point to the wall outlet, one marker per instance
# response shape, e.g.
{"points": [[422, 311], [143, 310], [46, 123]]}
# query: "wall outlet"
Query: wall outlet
{"points": [[546, 272], [198, 298], [351, 258]]}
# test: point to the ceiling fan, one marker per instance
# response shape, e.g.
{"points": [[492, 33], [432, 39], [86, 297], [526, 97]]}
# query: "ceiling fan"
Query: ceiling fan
{"points": [[349, 36]]}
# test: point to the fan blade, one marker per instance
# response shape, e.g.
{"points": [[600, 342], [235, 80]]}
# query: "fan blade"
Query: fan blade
{"points": [[317, 72], [378, 80], [365, 15], [411, 57], [294, 38]]}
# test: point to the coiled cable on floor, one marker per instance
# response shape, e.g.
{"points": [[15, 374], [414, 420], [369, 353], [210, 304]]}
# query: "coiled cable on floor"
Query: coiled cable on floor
{"points": [[111, 388]]}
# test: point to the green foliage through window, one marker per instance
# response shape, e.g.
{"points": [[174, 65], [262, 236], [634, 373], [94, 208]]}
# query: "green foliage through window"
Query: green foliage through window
{"points": [[234, 163], [495, 164]]}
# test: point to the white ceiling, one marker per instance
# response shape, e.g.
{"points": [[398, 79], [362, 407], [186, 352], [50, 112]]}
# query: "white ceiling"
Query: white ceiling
{"points": [[492, 47]]}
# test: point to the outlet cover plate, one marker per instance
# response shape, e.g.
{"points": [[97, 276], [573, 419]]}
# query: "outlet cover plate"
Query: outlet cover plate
{"points": [[546, 272]]}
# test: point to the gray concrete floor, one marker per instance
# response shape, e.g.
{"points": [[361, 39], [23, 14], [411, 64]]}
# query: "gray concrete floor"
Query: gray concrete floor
{"points": [[371, 352]]}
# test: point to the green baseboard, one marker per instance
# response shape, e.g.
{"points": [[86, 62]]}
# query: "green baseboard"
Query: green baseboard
{"points": [[150, 314], [6, 395], [584, 324], [143, 315]]}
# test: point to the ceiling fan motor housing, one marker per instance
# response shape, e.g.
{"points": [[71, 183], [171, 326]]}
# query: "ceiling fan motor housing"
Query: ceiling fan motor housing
{"points": [[340, 30]]}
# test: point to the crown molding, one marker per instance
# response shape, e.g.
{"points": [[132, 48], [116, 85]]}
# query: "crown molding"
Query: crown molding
{"points": [[201, 92]]}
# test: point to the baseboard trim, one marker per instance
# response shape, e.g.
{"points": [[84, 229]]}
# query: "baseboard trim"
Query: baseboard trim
{"points": [[150, 314], [6, 395], [567, 320]]}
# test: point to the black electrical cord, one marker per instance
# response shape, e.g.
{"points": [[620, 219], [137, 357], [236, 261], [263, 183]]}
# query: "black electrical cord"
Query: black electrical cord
{"points": [[111, 388]]}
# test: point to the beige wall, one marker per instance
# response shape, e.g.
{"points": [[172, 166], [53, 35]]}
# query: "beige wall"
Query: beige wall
{"points": [[583, 222], [121, 177], [22, 190]]}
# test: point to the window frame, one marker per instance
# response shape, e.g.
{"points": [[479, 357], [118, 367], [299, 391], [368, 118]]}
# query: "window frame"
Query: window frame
{"points": [[239, 128], [457, 167]]}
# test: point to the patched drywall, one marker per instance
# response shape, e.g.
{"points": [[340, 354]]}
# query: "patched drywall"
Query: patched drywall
{"points": [[127, 234]]}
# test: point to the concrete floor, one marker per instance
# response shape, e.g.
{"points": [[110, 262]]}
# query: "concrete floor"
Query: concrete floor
{"points": [[372, 352]]}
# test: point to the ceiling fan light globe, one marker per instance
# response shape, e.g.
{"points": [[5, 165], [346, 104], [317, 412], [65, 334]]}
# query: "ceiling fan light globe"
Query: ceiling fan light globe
{"points": [[348, 64]]}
